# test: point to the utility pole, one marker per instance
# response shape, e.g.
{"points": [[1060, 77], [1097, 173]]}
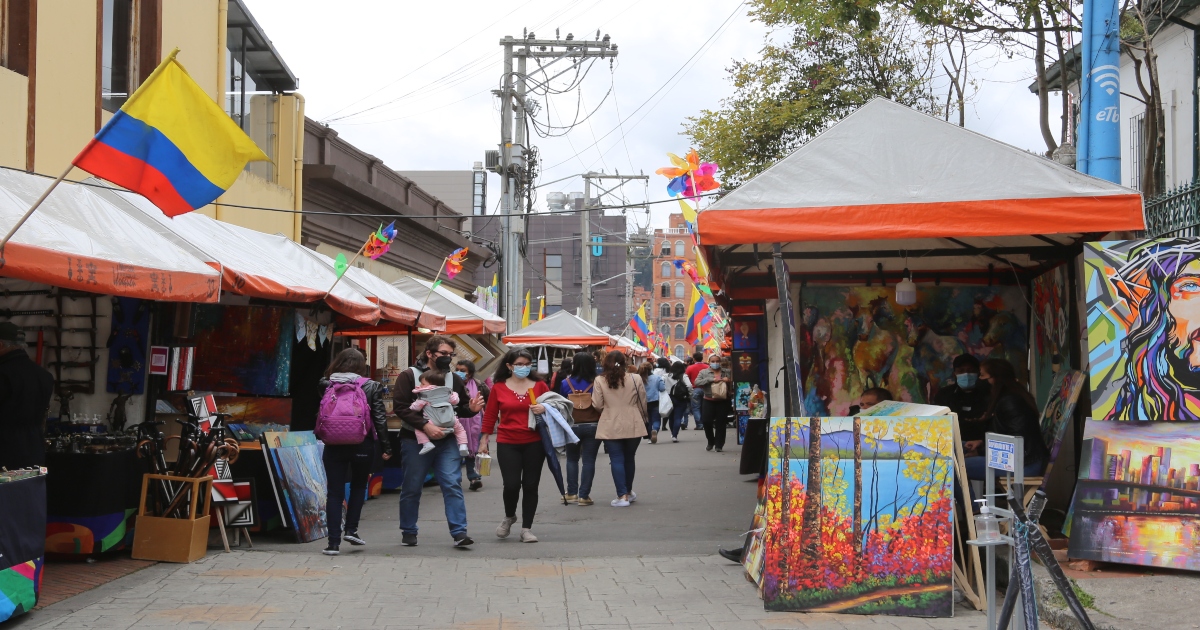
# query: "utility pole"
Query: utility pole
{"points": [[515, 172], [585, 236]]}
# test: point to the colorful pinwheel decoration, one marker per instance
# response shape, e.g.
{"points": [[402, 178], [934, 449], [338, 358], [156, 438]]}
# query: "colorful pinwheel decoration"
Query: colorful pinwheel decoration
{"points": [[454, 262], [380, 241], [689, 177]]}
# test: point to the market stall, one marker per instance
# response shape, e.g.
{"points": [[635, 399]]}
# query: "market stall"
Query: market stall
{"points": [[892, 243], [555, 331], [473, 327]]}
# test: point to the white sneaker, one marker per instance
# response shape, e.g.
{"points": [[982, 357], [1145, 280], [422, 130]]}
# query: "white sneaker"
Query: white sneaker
{"points": [[505, 527], [527, 536], [426, 447], [674, 439], [632, 496], [619, 502]]}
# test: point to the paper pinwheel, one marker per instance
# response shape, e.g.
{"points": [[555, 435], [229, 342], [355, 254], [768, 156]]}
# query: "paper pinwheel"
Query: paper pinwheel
{"points": [[380, 241], [454, 262], [689, 177]]}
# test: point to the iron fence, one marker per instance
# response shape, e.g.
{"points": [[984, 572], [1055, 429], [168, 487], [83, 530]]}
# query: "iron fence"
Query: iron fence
{"points": [[1175, 212]]}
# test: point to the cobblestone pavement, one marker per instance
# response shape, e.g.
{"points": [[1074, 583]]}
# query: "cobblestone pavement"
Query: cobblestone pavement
{"points": [[652, 565]]}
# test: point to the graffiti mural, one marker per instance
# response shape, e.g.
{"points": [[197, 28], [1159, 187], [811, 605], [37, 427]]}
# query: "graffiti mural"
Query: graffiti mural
{"points": [[1143, 316]]}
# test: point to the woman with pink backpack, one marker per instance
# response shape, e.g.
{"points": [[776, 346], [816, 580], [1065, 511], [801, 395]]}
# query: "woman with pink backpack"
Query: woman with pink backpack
{"points": [[352, 423]]}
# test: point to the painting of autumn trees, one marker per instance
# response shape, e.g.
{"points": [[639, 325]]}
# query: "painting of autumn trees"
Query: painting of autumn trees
{"points": [[859, 516]]}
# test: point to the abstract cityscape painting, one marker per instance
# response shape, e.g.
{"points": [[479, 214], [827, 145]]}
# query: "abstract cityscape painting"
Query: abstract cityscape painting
{"points": [[1143, 328], [296, 456], [855, 338], [859, 516], [1138, 496]]}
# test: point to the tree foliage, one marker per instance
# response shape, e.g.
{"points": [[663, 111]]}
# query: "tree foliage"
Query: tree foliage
{"points": [[824, 61]]}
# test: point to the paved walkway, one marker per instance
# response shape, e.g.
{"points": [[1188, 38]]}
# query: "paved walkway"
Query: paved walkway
{"points": [[648, 566]]}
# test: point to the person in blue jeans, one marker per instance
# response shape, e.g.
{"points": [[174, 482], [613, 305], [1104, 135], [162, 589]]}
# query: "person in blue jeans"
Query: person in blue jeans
{"points": [[656, 387], [679, 391], [621, 399], [578, 389], [444, 459], [693, 370]]}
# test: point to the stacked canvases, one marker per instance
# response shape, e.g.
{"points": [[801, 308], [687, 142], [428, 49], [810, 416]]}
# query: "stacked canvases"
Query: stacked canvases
{"points": [[1138, 496]]}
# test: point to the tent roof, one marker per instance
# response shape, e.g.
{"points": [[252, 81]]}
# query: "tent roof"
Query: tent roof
{"points": [[78, 240], [889, 172], [561, 327], [395, 305], [269, 266], [637, 348], [462, 317]]}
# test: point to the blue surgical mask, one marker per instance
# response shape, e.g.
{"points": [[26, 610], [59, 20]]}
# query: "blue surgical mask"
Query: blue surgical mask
{"points": [[714, 366], [967, 380], [462, 375], [522, 371]]}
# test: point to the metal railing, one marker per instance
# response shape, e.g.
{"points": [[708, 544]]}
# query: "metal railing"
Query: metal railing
{"points": [[1175, 212]]}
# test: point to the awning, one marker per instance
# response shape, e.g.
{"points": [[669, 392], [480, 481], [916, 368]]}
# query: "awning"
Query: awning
{"points": [[267, 266], [628, 345], [888, 172], [462, 317], [77, 240], [395, 305], [560, 328]]}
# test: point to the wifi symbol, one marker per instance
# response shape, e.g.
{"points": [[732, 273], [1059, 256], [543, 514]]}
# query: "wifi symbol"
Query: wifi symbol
{"points": [[1108, 78]]}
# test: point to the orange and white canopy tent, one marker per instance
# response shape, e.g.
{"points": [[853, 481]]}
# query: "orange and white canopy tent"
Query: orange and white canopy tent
{"points": [[560, 328], [78, 240], [462, 317], [253, 264], [888, 183], [394, 305]]}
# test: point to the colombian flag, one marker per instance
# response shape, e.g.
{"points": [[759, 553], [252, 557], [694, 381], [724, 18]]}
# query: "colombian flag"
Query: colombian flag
{"points": [[171, 143], [699, 319], [640, 328], [525, 312]]}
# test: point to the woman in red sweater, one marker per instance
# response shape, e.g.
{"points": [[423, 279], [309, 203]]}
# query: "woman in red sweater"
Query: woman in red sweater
{"points": [[518, 448]]}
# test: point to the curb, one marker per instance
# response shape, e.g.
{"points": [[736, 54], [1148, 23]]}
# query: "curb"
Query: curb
{"points": [[1061, 617]]}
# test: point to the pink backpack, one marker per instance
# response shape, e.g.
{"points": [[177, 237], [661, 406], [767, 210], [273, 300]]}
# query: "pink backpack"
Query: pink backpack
{"points": [[344, 416]]}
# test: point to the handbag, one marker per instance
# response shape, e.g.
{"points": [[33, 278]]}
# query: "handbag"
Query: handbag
{"points": [[582, 401], [719, 390]]}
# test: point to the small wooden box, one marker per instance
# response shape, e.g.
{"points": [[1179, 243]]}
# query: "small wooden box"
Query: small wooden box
{"points": [[174, 539]]}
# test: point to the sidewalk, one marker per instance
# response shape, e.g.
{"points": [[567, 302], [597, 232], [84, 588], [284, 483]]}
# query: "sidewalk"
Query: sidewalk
{"points": [[356, 590]]}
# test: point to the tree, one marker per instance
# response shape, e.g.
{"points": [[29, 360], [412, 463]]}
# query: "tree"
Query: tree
{"points": [[824, 70], [1141, 22], [811, 541]]}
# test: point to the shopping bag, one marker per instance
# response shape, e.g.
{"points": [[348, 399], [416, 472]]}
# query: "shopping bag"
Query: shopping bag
{"points": [[483, 464]]}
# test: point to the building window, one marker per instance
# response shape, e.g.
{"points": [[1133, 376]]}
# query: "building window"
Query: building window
{"points": [[679, 289], [479, 193], [666, 270], [249, 99], [679, 310], [666, 248], [666, 289], [679, 249], [130, 34], [553, 290], [679, 331], [15, 27], [665, 311], [679, 351], [1137, 158]]}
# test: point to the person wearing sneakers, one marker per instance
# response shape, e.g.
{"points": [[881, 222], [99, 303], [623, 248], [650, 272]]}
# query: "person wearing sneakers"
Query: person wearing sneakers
{"points": [[519, 449], [351, 462], [679, 390], [715, 381], [698, 365], [578, 389], [621, 399]]}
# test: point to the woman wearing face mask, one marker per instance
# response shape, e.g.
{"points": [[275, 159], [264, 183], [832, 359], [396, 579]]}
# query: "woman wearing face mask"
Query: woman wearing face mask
{"points": [[621, 399], [968, 397], [465, 369], [518, 448], [714, 410], [1011, 411]]}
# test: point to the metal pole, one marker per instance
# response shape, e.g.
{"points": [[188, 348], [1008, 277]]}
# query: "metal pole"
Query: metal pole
{"points": [[508, 256], [585, 261], [989, 490]]}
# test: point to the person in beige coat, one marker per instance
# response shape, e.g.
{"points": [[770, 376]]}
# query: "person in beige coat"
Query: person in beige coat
{"points": [[621, 399]]}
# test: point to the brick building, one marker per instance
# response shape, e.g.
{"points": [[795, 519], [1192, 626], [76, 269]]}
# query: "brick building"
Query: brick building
{"points": [[671, 288]]}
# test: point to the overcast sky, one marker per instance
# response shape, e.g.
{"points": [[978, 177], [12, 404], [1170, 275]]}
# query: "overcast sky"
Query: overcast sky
{"points": [[426, 70]]}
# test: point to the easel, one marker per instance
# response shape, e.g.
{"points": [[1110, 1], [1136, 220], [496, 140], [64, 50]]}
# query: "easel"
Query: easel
{"points": [[238, 532], [968, 573]]}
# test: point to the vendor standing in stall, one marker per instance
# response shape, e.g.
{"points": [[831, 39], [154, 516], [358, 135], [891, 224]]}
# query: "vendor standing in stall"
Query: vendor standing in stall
{"points": [[25, 389], [967, 396], [444, 459]]}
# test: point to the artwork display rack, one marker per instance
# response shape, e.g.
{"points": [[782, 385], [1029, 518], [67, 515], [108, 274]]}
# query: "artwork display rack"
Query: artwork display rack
{"points": [[63, 362]]}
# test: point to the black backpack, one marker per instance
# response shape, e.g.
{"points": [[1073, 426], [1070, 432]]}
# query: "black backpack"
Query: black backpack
{"points": [[680, 392]]}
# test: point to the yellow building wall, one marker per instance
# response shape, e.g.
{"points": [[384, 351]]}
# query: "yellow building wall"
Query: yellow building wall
{"points": [[65, 109], [194, 26], [14, 95]]}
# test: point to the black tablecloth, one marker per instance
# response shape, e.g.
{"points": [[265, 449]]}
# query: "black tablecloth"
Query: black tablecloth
{"points": [[754, 448], [93, 484], [22, 520]]}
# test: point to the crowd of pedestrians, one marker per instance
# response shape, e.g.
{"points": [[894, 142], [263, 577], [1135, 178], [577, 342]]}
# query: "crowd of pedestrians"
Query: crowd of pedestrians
{"points": [[612, 405]]}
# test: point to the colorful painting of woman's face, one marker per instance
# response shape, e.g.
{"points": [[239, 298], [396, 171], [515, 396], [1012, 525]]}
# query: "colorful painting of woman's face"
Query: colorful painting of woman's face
{"points": [[1185, 310]]}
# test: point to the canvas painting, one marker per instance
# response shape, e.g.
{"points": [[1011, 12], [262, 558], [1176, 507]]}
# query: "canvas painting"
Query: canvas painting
{"points": [[860, 516], [741, 400], [745, 366], [1050, 331], [1143, 336], [244, 512], [855, 338], [301, 475], [244, 349], [745, 334], [256, 410], [1138, 496]]}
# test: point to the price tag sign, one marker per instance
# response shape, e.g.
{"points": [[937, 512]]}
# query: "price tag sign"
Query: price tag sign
{"points": [[1000, 455]]}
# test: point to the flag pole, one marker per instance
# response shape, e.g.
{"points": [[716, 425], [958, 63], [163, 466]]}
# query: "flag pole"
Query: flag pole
{"points": [[628, 323], [348, 265], [432, 286], [29, 213]]}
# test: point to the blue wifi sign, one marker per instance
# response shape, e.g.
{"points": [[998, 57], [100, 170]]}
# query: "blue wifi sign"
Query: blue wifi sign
{"points": [[1107, 79]]}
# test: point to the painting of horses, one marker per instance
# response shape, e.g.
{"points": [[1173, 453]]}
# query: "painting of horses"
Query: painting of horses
{"points": [[1050, 331], [1143, 338], [856, 338], [859, 516]]}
